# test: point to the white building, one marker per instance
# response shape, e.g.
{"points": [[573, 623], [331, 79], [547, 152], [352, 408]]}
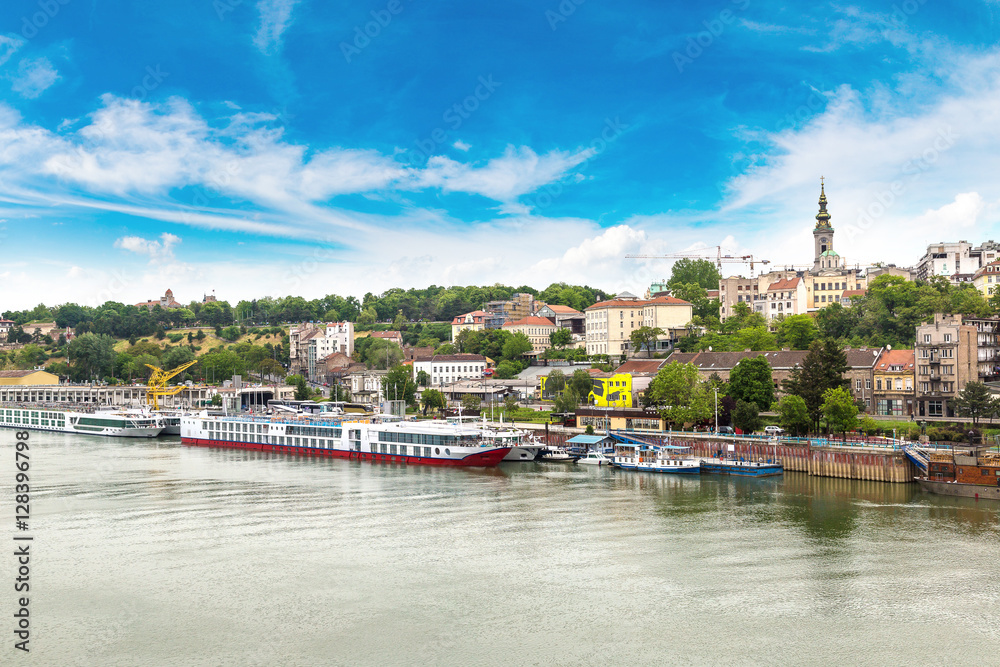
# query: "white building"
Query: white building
{"points": [[957, 261], [310, 343], [447, 368]]}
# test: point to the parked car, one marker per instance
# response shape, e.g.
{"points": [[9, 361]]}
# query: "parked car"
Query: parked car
{"points": [[773, 430], [725, 430]]}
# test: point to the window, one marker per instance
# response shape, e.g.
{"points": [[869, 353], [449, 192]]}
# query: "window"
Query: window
{"points": [[947, 338], [934, 409], [927, 338], [859, 384], [878, 384], [868, 383]]}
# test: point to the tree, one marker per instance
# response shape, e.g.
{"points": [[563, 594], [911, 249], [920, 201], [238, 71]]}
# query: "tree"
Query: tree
{"points": [[379, 353], [822, 369], [560, 338], [644, 338], [446, 348], [92, 355], [751, 381], [793, 415], [517, 346], [510, 404], [581, 383], [680, 395], [471, 403], [398, 385], [700, 271], [302, 392], [423, 378], [840, 410], [555, 382], [746, 417], [506, 370], [567, 401], [432, 399], [797, 332], [976, 401]]}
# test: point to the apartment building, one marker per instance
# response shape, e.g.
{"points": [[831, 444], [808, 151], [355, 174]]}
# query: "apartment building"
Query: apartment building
{"points": [[987, 279], [895, 383], [519, 306], [447, 368], [987, 347], [947, 359], [957, 261], [564, 317], [477, 320], [609, 324], [310, 343], [786, 297]]}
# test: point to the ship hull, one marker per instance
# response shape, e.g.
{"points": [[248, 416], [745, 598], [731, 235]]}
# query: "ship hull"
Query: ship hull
{"points": [[959, 489], [741, 469], [484, 459]]}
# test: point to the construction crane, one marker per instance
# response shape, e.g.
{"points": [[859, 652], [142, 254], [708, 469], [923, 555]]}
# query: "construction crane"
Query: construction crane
{"points": [[156, 386], [720, 259]]}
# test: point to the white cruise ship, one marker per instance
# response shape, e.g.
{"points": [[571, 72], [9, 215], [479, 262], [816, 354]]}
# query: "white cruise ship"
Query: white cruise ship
{"points": [[422, 442], [111, 422]]}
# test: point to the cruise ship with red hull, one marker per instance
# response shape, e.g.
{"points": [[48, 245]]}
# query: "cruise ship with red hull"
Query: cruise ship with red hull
{"points": [[419, 443]]}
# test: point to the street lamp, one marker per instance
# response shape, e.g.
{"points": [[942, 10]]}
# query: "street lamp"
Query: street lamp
{"points": [[716, 390]]}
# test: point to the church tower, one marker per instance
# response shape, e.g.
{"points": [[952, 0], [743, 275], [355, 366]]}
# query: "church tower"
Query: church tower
{"points": [[825, 256]]}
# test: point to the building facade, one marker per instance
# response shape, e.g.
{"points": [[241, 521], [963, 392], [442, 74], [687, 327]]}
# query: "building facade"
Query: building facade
{"points": [[447, 368], [477, 320], [957, 261], [987, 347], [786, 297], [895, 383], [946, 357], [609, 324], [537, 329], [987, 279]]}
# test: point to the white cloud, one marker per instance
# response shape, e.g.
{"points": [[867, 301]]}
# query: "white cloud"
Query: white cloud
{"points": [[8, 47], [462, 146], [34, 76], [275, 17], [155, 250]]}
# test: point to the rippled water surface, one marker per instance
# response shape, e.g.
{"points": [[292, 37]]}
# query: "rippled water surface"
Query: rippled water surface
{"points": [[153, 553]]}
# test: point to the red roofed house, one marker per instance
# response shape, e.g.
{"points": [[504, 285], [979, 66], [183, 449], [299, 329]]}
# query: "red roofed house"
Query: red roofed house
{"points": [[477, 320], [895, 383], [847, 298], [611, 323], [391, 336], [537, 329], [786, 297]]}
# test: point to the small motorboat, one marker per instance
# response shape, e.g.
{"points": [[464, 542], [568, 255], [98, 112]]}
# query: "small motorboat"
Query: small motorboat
{"points": [[556, 455], [595, 459]]}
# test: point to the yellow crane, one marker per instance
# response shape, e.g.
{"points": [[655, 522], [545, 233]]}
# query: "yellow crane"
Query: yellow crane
{"points": [[156, 386]]}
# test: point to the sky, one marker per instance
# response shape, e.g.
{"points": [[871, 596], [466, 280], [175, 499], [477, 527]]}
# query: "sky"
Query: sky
{"points": [[258, 148]]}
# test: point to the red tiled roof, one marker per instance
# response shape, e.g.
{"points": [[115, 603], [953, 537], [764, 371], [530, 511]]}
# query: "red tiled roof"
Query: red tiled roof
{"points": [[851, 293], [904, 358], [992, 267], [385, 334], [566, 310], [785, 284], [477, 315], [640, 303], [643, 367], [531, 320]]}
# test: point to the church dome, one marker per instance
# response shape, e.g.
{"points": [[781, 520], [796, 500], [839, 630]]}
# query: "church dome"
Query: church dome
{"points": [[829, 253]]}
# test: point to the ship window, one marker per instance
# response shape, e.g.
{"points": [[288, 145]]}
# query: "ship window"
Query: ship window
{"points": [[437, 450]]}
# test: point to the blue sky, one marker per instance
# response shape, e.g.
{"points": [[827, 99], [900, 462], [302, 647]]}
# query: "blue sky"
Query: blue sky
{"points": [[273, 147]]}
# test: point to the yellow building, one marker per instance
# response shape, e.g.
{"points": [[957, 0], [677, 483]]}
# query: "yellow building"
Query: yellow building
{"points": [[895, 379], [987, 279], [611, 392], [33, 378]]}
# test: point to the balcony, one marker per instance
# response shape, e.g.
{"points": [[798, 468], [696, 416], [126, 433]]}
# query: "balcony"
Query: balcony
{"points": [[934, 360]]}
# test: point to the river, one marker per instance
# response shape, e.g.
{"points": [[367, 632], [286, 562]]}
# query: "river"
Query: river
{"points": [[153, 553]]}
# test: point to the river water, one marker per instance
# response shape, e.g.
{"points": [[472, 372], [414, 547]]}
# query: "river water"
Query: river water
{"points": [[153, 553]]}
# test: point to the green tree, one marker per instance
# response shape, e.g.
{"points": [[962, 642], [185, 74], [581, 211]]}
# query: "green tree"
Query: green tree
{"points": [[567, 401], [976, 401], [751, 381], [398, 385], [506, 370], [699, 271], [822, 369], [423, 378], [705, 311], [581, 383], [840, 410], [680, 395], [644, 338], [793, 415], [517, 346], [367, 317], [746, 417], [92, 355], [757, 339], [432, 399], [555, 382], [380, 353], [302, 392], [560, 338], [797, 332], [446, 348], [471, 403]]}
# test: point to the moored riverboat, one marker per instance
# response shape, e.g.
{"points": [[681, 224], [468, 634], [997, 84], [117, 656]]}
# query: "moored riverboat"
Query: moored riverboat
{"points": [[425, 443], [663, 458], [969, 472], [112, 423]]}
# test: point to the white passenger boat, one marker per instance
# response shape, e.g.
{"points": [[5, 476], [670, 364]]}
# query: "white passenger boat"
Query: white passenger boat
{"points": [[555, 454], [655, 458], [424, 442], [114, 423]]}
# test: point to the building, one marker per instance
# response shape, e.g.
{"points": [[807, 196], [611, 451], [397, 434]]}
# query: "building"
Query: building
{"points": [[786, 297], [670, 314], [987, 279], [36, 377], [609, 324], [366, 386], [447, 368], [946, 357], [987, 347], [642, 372], [603, 419], [520, 305], [658, 288], [861, 364], [5, 326], [537, 329], [829, 277], [874, 272], [895, 383], [565, 318], [611, 391], [165, 301], [477, 320], [849, 296], [391, 336], [309, 344], [957, 261]]}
